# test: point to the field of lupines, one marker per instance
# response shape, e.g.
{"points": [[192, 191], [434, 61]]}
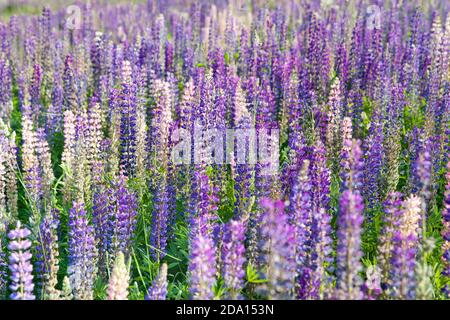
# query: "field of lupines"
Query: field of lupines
{"points": [[118, 179]]}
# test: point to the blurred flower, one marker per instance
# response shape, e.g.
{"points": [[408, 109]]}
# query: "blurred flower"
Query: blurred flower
{"points": [[119, 279], [233, 257], [158, 290], [202, 267], [349, 251]]}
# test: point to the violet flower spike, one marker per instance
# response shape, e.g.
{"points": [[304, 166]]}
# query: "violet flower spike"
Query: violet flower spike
{"points": [[446, 231], [233, 257], [278, 247], [82, 267], [20, 264], [158, 289], [349, 251], [202, 267]]}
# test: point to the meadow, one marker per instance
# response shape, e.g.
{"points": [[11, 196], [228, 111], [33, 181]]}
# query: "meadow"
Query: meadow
{"points": [[232, 150]]}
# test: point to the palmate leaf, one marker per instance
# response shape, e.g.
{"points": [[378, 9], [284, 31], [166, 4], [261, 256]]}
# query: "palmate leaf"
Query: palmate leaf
{"points": [[252, 275]]}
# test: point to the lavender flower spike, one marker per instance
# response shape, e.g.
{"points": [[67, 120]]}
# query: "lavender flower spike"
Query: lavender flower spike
{"points": [[446, 231], [233, 257], [202, 267], [128, 121], [158, 290], [20, 265], [302, 219], [125, 218], [82, 253], [404, 256], [47, 255], [349, 252], [278, 246]]}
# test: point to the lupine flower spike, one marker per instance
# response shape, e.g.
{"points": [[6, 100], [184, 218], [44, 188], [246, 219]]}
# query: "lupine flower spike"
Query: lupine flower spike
{"points": [[20, 264]]}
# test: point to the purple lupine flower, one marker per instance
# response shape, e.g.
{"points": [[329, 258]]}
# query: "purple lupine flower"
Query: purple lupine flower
{"points": [[342, 66], [435, 67], [302, 216], [356, 64], [334, 117], [202, 266], [372, 285], [356, 175], [446, 231], [405, 243], [349, 251], [242, 187], [392, 211], [187, 105], [279, 66], [3, 269], [158, 289], [321, 177], [102, 215], [395, 107], [173, 195], [265, 115], [447, 141], [243, 159], [262, 190], [97, 57], [19, 264], [373, 163], [124, 221], [351, 162], [35, 94], [321, 120], [322, 259], [233, 257], [203, 204], [244, 53], [423, 169], [141, 125], [160, 129], [55, 110], [70, 98], [45, 163], [298, 153], [415, 148], [82, 253], [3, 159], [347, 136], [47, 255], [278, 247], [6, 104], [23, 93], [45, 28], [127, 108], [169, 59], [266, 112], [158, 237], [411, 66]]}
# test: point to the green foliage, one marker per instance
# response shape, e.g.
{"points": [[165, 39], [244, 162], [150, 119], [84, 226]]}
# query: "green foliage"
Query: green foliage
{"points": [[252, 276]]}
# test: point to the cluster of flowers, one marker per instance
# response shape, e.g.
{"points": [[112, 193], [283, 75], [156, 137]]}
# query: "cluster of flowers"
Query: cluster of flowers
{"points": [[359, 207]]}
